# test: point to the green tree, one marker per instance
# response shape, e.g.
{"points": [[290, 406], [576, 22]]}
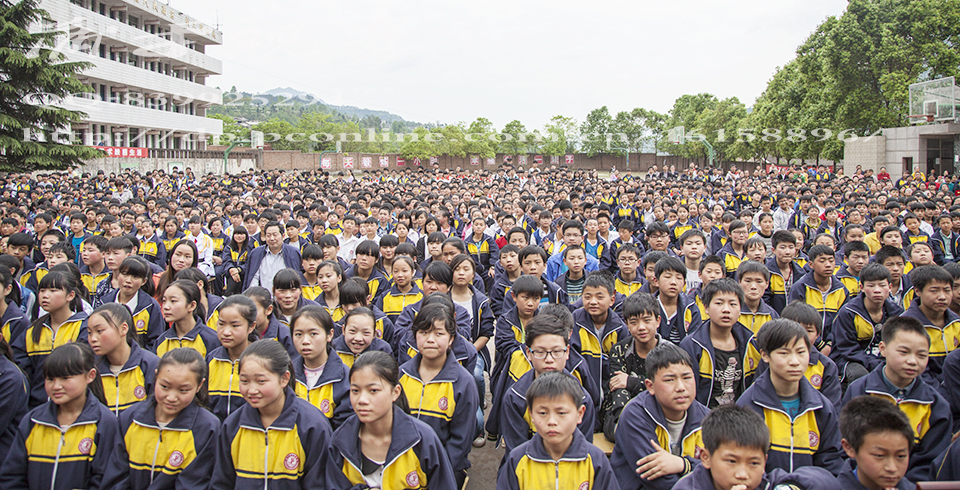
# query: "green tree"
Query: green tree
{"points": [[560, 136], [452, 140], [231, 130], [595, 130], [281, 135], [35, 78], [514, 138], [418, 145], [483, 140]]}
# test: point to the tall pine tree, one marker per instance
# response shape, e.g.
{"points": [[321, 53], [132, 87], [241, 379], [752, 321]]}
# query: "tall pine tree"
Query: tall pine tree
{"points": [[34, 77]]}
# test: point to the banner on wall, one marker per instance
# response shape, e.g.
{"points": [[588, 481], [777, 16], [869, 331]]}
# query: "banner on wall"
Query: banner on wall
{"points": [[474, 160], [401, 162], [366, 162], [384, 161], [434, 160], [554, 160], [123, 151], [416, 161], [324, 163], [522, 159], [568, 159], [538, 159], [491, 161], [347, 162]]}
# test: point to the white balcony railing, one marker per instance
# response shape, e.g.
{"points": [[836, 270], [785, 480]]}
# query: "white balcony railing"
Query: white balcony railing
{"points": [[100, 112]]}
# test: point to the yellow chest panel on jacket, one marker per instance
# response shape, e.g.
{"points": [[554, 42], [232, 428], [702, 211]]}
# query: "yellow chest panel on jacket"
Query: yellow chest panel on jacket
{"points": [[318, 396], [431, 399], [125, 389], [567, 474], [224, 378], [278, 456], [404, 473], [802, 436], [148, 451], [77, 444], [173, 343], [692, 443], [68, 332]]}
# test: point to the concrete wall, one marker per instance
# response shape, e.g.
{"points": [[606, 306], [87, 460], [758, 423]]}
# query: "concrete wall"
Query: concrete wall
{"points": [[868, 153], [202, 162], [897, 144]]}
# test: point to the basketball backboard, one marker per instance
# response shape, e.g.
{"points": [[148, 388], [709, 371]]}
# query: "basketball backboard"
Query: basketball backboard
{"points": [[937, 99]]}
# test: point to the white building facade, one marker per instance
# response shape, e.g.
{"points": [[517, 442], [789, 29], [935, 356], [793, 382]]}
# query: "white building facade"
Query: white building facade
{"points": [[148, 76]]}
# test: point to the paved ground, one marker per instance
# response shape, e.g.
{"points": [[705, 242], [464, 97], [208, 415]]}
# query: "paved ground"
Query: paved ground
{"points": [[486, 461]]}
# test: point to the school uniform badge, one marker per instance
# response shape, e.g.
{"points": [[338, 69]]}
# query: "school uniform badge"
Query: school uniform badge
{"points": [[816, 380], [85, 445], [325, 406], [140, 392], [176, 459], [413, 480], [141, 325], [443, 403], [814, 439], [291, 462]]}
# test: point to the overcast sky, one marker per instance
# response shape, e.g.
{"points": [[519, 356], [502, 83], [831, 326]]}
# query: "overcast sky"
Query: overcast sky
{"points": [[430, 61]]}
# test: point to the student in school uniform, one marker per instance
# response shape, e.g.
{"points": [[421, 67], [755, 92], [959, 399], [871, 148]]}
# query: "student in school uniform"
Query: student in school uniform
{"points": [[127, 370], [823, 291], [596, 326], [754, 279], [359, 335], [877, 439]]}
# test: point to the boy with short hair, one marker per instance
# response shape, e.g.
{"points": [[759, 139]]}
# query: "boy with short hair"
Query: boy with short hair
{"points": [[533, 262], [858, 324], [658, 236], [877, 439], [734, 251], [693, 243], [658, 438], [934, 292], [649, 268], [526, 294], [547, 348], [558, 452], [510, 262], [856, 254], [754, 278], [905, 346], [821, 372], [94, 269], [678, 312], [721, 347], [625, 237], [596, 326], [711, 268], [790, 405], [901, 291], [736, 442], [628, 280], [823, 291], [572, 281]]}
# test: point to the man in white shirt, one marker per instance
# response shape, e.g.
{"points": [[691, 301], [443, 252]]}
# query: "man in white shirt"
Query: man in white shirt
{"points": [[348, 239], [204, 246]]}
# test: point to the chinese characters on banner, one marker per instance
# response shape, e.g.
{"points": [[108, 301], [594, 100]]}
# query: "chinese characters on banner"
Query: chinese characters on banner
{"points": [[324, 163], [474, 160], [121, 151], [347, 162], [490, 161], [568, 159], [538, 159], [384, 161], [554, 160], [416, 161], [434, 160], [401, 162], [366, 162], [522, 159]]}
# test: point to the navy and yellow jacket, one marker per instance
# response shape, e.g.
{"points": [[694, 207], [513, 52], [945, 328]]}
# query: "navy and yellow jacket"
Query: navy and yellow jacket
{"points": [[700, 348], [223, 383], [347, 357], [393, 301], [806, 477], [856, 337], [31, 279], [947, 466], [583, 466], [509, 335], [950, 388], [499, 292], [316, 295], [555, 295], [377, 282], [678, 229], [447, 403], [415, 459], [213, 310], [463, 350], [382, 326], [812, 438], [169, 241], [595, 345], [482, 324], [929, 415], [827, 304], [485, 252], [135, 381], [91, 280], [202, 339], [848, 479], [278, 331], [942, 244], [331, 394], [154, 250], [293, 451], [15, 394], [627, 288], [31, 355], [753, 321], [312, 291], [642, 421], [516, 425], [731, 260], [148, 319], [943, 341], [822, 373], [13, 323], [686, 318], [405, 321], [180, 455], [45, 456]]}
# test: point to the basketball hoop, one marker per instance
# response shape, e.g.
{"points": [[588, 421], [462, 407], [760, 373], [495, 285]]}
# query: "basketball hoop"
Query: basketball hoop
{"points": [[920, 117]]}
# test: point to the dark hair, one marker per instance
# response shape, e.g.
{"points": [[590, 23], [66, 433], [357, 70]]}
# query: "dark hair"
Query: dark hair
{"points": [[866, 414], [116, 314], [627, 248], [670, 264], [311, 252], [652, 257], [440, 272], [692, 233], [6, 279], [532, 250], [436, 236], [886, 252], [186, 356], [459, 259], [509, 248], [273, 355], [737, 425], [248, 311], [98, 241], [73, 359], [779, 332], [664, 355], [192, 293], [952, 268], [818, 250], [358, 311], [385, 367], [260, 295], [66, 248], [527, 284], [922, 276], [286, 279], [318, 314], [711, 259], [598, 279], [545, 325], [429, 314], [721, 285], [876, 272], [195, 275], [56, 279], [137, 266], [369, 247], [855, 246], [751, 266], [639, 304], [902, 324], [912, 246], [168, 275], [21, 240], [560, 312], [555, 385], [782, 236], [802, 313], [120, 243], [626, 224], [736, 225], [354, 290]]}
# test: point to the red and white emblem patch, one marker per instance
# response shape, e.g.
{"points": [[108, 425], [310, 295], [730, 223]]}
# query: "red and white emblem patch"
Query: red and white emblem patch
{"points": [[176, 459], [816, 380], [814, 439], [291, 462], [585, 486], [141, 325], [85, 446], [325, 406], [696, 451], [443, 403], [140, 392], [413, 480]]}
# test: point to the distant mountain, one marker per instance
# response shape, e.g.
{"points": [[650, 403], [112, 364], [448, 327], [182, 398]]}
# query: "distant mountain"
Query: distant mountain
{"points": [[276, 94]]}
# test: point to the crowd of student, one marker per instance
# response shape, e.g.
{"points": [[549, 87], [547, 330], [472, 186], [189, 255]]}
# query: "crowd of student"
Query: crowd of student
{"points": [[301, 330]]}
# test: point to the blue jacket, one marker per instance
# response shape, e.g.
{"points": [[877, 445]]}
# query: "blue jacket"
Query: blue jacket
{"points": [[807, 477], [251, 456], [331, 393], [201, 338], [556, 267], [58, 459], [595, 346], [827, 304], [393, 301], [499, 292], [281, 333], [810, 439], [942, 341], [856, 336], [135, 381], [848, 479], [180, 455], [950, 388], [223, 383], [929, 415], [291, 260], [416, 458], [947, 466], [447, 403], [583, 466], [482, 324], [15, 394], [148, 319], [642, 421], [686, 319], [700, 348], [31, 355], [516, 425]]}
